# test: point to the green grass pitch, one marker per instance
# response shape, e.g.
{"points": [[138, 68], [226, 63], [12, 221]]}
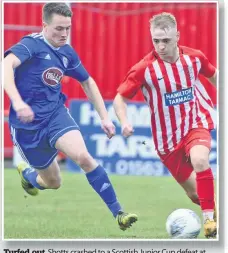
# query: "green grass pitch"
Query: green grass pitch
{"points": [[75, 211]]}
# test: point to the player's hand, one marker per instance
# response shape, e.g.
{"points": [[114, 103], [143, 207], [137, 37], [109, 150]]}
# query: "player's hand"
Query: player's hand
{"points": [[24, 111], [127, 130], [108, 127]]}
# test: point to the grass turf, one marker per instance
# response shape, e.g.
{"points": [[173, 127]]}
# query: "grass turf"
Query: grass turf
{"points": [[75, 211]]}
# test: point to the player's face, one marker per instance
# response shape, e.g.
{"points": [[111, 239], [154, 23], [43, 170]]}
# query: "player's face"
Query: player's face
{"points": [[57, 31], [165, 42]]}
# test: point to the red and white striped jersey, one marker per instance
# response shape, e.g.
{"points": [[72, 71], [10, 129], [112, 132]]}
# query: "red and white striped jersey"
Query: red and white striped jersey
{"points": [[177, 99]]}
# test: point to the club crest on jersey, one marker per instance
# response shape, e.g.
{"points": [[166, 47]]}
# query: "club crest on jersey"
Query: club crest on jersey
{"points": [[52, 76], [191, 73], [65, 62], [178, 97]]}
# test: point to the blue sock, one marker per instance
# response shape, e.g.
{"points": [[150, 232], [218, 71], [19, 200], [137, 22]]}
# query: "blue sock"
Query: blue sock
{"points": [[31, 175], [100, 182]]}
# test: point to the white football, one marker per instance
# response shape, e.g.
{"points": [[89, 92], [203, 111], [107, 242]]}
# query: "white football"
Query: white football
{"points": [[183, 224]]}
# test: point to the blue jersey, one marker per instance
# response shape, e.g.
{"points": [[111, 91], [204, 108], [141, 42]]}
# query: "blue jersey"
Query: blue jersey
{"points": [[38, 78]]}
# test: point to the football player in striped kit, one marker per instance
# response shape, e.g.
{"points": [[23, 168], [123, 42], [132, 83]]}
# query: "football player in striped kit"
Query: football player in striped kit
{"points": [[181, 111]]}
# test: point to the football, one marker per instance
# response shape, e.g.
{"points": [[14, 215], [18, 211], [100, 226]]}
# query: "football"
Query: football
{"points": [[183, 224]]}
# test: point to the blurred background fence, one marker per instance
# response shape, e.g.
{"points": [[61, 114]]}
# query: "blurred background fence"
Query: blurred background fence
{"points": [[110, 38]]}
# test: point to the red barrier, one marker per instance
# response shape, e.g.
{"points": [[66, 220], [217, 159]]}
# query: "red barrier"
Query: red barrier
{"points": [[111, 37]]}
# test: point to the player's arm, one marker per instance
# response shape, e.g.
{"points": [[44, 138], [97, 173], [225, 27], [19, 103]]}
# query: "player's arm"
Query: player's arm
{"points": [[10, 63], [78, 72], [92, 92], [120, 107], [24, 112], [213, 79], [207, 69], [127, 90], [16, 55]]}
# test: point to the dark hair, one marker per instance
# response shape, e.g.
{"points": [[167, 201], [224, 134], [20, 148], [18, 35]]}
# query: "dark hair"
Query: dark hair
{"points": [[55, 8]]}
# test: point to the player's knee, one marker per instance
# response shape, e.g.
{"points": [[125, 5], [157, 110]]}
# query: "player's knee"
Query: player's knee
{"points": [[199, 163], [84, 159], [194, 197]]}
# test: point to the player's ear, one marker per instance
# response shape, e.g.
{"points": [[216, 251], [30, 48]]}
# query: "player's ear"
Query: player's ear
{"points": [[151, 33], [44, 24], [178, 36]]}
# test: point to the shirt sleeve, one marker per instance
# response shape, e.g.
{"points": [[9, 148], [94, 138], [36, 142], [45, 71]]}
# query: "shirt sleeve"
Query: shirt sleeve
{"points": [[76, 69], [133, 81], [24, 50], [207, 69]]}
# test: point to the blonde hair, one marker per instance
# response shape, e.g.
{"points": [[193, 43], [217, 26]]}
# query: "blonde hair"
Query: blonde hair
{"points": [[163, 20]]}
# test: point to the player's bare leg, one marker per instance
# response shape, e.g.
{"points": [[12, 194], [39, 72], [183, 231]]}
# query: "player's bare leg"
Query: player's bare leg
{"points": [[50, 178], [190, 188], [73, 145], [199, 156], [33, 180]]}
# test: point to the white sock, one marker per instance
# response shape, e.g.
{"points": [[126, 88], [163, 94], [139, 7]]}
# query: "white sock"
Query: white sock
{"points": [[208, 215]]}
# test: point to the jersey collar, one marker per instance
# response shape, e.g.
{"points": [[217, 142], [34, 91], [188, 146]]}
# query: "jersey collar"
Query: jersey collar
{"points": [[49, 44], [156, 55]]}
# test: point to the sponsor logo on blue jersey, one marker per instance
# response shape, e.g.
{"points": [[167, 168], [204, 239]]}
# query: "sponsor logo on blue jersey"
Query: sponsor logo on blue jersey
{"points": [[52, 76], [178, 97]]}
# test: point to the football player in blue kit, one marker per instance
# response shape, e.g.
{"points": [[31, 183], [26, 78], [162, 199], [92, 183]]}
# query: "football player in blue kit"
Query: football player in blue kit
{"points": [[39, 121]]}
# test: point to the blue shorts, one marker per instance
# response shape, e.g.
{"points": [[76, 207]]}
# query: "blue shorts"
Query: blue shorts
{"points": [[37, 147]]}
